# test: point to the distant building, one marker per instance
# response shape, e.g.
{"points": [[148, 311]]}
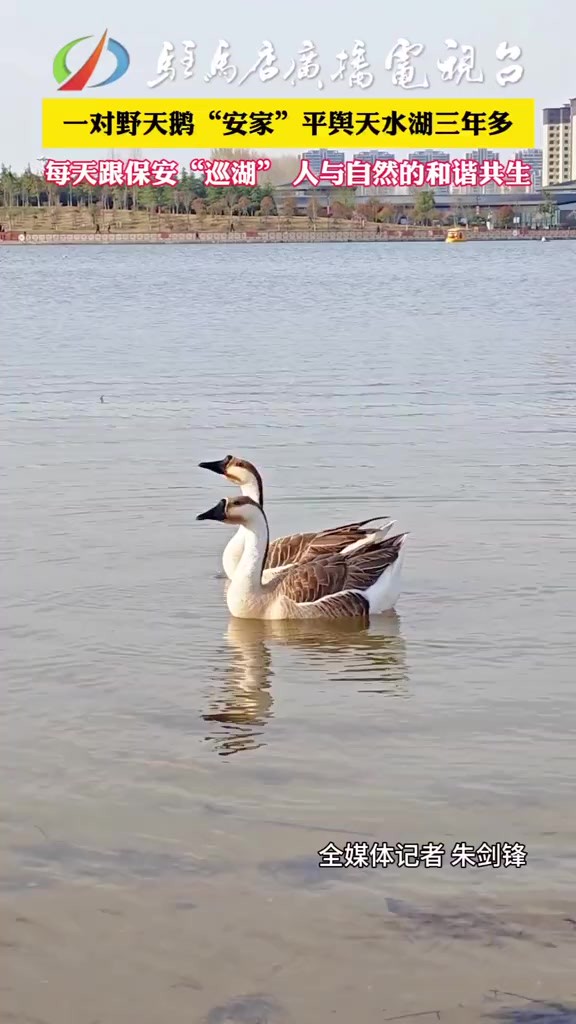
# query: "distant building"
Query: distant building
{"points": [[315, 157], [559, 162], [426, 156], [573, 139], [370, 156], [481, 156], [534, 158]]}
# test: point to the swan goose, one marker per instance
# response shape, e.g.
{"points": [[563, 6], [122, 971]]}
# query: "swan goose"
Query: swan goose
{"points": [[330, 586], [296, 547]]}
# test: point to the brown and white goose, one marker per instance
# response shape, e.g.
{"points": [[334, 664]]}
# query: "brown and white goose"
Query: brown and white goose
{"points": [[331, 586], [296, 547]]}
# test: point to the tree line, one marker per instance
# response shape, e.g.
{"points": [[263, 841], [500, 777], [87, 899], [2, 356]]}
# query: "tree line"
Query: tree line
{"points": [[191, 196]]}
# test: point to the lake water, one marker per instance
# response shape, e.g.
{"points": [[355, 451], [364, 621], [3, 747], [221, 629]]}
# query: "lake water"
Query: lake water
{"points": [[173, 773]]}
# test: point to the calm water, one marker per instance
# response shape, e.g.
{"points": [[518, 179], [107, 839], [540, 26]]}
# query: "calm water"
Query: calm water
{"points": [[174, 772]]}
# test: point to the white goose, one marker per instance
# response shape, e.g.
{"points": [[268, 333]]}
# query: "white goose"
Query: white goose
{"points": [[296, 547], [337, 585]]}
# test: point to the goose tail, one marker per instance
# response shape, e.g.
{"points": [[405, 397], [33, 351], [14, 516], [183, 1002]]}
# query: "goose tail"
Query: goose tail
{"points": [[384, 593], [361, 525], [374, 537]]}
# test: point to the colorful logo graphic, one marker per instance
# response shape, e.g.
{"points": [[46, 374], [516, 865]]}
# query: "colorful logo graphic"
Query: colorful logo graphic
{"points": [[75, 81]]}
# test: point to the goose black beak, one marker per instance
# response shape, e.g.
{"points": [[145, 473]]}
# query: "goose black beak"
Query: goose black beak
{"points": [[217, 467], [218, 512]]}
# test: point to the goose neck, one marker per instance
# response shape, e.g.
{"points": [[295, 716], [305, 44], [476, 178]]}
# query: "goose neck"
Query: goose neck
{"points": [[252, 488], [248, 575]]}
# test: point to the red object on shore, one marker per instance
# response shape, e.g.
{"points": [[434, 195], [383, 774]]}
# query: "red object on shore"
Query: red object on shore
{"points": [[11, 236]]}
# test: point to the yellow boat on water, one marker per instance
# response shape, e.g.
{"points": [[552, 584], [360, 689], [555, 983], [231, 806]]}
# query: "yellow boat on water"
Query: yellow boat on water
{"points": [[455, 235]]}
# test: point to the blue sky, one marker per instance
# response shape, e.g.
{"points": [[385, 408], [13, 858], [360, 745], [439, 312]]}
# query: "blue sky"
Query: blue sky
{"points": [[32, 33]]}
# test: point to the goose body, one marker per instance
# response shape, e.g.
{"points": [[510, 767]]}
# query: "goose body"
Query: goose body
{"points": [[294, 548], [361, 582]]}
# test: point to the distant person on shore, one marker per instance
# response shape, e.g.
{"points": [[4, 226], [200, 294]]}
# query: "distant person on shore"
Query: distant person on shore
{"points": [[97, 229], [108, 229]]}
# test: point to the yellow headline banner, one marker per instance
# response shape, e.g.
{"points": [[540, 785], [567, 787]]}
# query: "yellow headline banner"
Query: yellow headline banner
{"points": [[300, 124]]}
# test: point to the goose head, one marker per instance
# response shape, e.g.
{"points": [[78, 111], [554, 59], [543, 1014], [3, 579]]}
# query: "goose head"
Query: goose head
{"points": [[235, 512], [239, 472]]}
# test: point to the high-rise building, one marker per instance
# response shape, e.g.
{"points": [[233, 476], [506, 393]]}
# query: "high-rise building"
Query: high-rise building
{"points": [[573, 134], [316, 156], [370, 156], [427, 156], [559, 163], [481, 156], [532, 157]]}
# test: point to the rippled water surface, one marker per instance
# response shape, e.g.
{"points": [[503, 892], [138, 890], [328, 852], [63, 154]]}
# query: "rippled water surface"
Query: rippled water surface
{"points": [[173, 772]]}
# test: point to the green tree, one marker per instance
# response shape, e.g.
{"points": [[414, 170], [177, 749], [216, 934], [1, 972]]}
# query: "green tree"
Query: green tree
{"points": [[119, 197], [10, 186], [148, 200], [52, 194], [548, 208], [424, 206], [28, 189], [197, 187], [27, 185]]}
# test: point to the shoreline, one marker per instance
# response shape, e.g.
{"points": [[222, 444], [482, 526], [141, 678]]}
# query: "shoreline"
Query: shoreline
{"points": [[273, 237]]}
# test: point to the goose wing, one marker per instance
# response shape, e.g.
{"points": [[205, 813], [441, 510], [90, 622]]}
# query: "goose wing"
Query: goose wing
{"points": [[347, 605], [332, 575], [298, 547], [287, 550]]}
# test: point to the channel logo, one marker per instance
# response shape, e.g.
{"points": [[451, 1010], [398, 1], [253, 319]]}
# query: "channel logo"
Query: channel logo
{"points": [[75, 81]]}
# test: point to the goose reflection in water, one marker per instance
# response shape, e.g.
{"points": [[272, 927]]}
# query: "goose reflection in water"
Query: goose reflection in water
{"points": [[341, 651]]}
